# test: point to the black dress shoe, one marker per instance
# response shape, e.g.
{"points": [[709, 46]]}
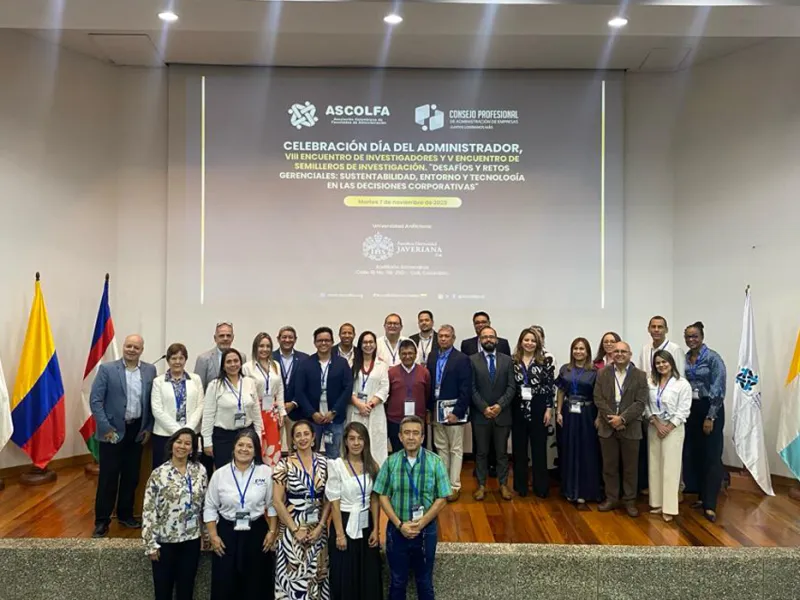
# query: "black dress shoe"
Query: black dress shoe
{"points": [[131, 523], [100, 530]]}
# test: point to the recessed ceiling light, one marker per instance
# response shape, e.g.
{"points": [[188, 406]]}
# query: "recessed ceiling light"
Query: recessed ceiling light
{"points": [[393, 19], [618, 22], [168, 16]]}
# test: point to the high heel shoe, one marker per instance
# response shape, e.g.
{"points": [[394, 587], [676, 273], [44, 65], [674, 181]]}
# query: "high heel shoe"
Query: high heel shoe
{"points": [[667, 518], [656, 511], [711, 516]]}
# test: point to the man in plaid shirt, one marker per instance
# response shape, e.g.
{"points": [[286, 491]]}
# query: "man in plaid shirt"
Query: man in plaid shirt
{"points": [[413, 486]]}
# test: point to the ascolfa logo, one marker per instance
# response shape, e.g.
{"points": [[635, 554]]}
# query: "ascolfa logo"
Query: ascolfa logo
{"points": [[349, 110]]}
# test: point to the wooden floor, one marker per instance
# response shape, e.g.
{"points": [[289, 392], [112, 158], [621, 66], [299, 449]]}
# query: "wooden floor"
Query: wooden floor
{"points": [[65, 509]]}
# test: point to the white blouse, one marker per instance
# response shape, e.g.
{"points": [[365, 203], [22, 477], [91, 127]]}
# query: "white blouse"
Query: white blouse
{"points": [[223, 498], [222, 404], [675, 402], [646, 356], [374, 385], [269, 386], [346, 488]]}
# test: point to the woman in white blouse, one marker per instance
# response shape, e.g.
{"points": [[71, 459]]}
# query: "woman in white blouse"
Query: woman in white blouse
{"points": [[171, 517], [370, 390], [269, 385], [176, 401], [231, 405], [355, 548], [667, 411], [242, 524]]}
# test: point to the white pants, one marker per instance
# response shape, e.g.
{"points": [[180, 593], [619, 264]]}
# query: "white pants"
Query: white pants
{"points": [[449, 440], [664, 468]]}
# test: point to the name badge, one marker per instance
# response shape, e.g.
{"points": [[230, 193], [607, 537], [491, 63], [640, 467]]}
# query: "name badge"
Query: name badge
{"points": [[695, 393], [417, 512], [239, 421], [312, 516], [327, 439], [362, 396], [363, 519], [410, 407], [242, 521], [436, 392], [575, 408], [527, 393]]}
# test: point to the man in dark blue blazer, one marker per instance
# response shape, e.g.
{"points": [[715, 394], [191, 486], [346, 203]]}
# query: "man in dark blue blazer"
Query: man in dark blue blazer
{"points": [[120, 404], [323, 388], [471, 345], [288, 358], [451, 379]]}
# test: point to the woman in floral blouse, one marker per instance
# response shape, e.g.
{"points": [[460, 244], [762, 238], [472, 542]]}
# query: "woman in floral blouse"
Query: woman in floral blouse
{"points": [[171, 519]]}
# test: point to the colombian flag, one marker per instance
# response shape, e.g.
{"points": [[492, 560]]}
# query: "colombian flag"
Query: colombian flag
{"points": [[37, 403]]}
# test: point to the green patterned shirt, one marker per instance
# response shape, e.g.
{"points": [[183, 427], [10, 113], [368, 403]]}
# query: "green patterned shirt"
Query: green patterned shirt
{"points": [[428, 475]]}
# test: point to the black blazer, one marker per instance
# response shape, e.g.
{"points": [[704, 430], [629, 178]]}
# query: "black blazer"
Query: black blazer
{"points": [[309, 386], [288, 388], [434, 345], [456, 382], [471, 346]]}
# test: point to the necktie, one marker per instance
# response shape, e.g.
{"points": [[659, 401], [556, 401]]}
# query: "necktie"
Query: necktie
{"points": [[492, 369]]}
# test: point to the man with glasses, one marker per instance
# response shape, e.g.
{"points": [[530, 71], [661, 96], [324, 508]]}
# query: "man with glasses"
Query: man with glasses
{"points": [[389, 344], [208, 363], [621, 394], [323, 388]]}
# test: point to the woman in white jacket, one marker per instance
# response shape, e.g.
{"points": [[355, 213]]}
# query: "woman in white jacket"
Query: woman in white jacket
{"points": [[669, 407], [264, 370], [370, 390], [176, 401]]}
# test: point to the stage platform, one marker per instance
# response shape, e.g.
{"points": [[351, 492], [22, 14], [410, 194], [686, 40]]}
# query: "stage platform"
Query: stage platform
{"points": [[65, 509]]}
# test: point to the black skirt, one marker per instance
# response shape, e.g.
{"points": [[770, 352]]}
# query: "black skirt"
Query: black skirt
{"points": [[245, 572], [355, 573]]}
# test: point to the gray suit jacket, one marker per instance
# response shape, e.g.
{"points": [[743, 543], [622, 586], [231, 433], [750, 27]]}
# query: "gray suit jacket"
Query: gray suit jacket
{"points": [[486, 393], [207, 366], [109, 398]]}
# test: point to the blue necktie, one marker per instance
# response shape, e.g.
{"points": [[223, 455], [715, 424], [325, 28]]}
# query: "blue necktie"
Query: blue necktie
{"points": [[492, 369]]}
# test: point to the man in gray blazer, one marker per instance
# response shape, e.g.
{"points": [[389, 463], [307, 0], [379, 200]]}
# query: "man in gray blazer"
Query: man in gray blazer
{"points": [[120, 403], [493, 389], [208, 363]]}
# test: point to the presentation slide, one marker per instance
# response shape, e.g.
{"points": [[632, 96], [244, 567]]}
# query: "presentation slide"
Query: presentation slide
{"points": [[347, 194]]}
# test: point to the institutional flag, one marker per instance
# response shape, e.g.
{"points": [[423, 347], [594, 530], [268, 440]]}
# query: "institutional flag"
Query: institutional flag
{"points": [[103, 349], [37, 403], [748, 426], [6, 424], [789, 425]]}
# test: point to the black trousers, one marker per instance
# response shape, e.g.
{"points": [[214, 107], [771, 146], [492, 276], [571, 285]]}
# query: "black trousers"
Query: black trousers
{"points": [[222, 441], [245, 571], [530, 434], [119, 476], [159, 447], [704, 452], [175, 570]]}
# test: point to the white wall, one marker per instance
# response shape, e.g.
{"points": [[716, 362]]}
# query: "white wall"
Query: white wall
{"points": [[736, 212], [77, 202]]}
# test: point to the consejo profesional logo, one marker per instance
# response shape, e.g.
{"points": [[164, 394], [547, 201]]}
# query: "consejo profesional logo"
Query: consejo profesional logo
{"points": [[429, 117], [377, 247], [303, 115]]}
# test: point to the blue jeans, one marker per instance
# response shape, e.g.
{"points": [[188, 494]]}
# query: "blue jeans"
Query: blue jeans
{"points": [[333, 449], [418, 554]]}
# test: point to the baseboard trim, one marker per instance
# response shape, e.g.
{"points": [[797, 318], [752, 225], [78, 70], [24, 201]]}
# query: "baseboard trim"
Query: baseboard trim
{"points": [[55, 465]]}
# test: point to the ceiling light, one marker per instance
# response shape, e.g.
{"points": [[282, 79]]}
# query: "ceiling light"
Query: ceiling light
{"points": [[393, 19], [618, 22], [168, 16]]}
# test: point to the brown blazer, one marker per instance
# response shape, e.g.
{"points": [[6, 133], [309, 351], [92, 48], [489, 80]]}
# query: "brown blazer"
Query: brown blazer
{"points": [[635, 395]]}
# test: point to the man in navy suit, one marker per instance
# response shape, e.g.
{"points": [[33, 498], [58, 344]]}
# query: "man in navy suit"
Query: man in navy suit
{"points": [[323, 388], [120, 403], [451, 395], [288, 358]]}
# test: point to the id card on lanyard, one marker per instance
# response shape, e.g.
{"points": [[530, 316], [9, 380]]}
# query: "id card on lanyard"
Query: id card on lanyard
{"points": [[286, 374], [362, 395], [239, 417], [441, 365], [621, 385], [363, 513], [265, 375], [311, 516], [416, 506], [410, 404], [323, 384], [576, 401], [660, 392], [526, 391], [242, 516]]}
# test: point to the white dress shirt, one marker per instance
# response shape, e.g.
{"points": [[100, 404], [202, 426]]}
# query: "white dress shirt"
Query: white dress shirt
{"points": [[676, 401], [645, 362], [388, 353], [165, 409], [269, 386], [424, 348], [223, 499], [221, 406], [343, 486]]}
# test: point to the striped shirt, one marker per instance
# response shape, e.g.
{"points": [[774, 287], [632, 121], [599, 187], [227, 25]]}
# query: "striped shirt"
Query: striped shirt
{"points": [[428, 475]]}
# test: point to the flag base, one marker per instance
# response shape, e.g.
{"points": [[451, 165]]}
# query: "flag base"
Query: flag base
{"points": [[794, 493], [92, 468], [2, 485], [37, 476]]}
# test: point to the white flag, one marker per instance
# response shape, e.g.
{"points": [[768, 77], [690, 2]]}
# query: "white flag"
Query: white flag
{"points": [[748, 426], [6, 424]]}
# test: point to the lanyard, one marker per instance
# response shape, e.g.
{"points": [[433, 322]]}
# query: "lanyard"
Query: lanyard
{"points": [[660, 392], [233, 391], [619, 386], [266, 379], [323, 382], [286, 373], [389, 348], [311, 490], [365, 374], [654, 350], [692, 367], [363, 487], [425, 347], [525, 371], [408, 378], [242, 494], [575, 379], [415, 491], [441, 363]]}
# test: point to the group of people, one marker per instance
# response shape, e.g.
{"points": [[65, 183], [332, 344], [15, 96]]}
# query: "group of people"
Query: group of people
{"points": [[297, 455]]}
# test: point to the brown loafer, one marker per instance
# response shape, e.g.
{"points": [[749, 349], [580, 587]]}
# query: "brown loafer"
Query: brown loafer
{"points": [[632, 511], [454, 496], [479, 494], [505, 493], [607, 506]]}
